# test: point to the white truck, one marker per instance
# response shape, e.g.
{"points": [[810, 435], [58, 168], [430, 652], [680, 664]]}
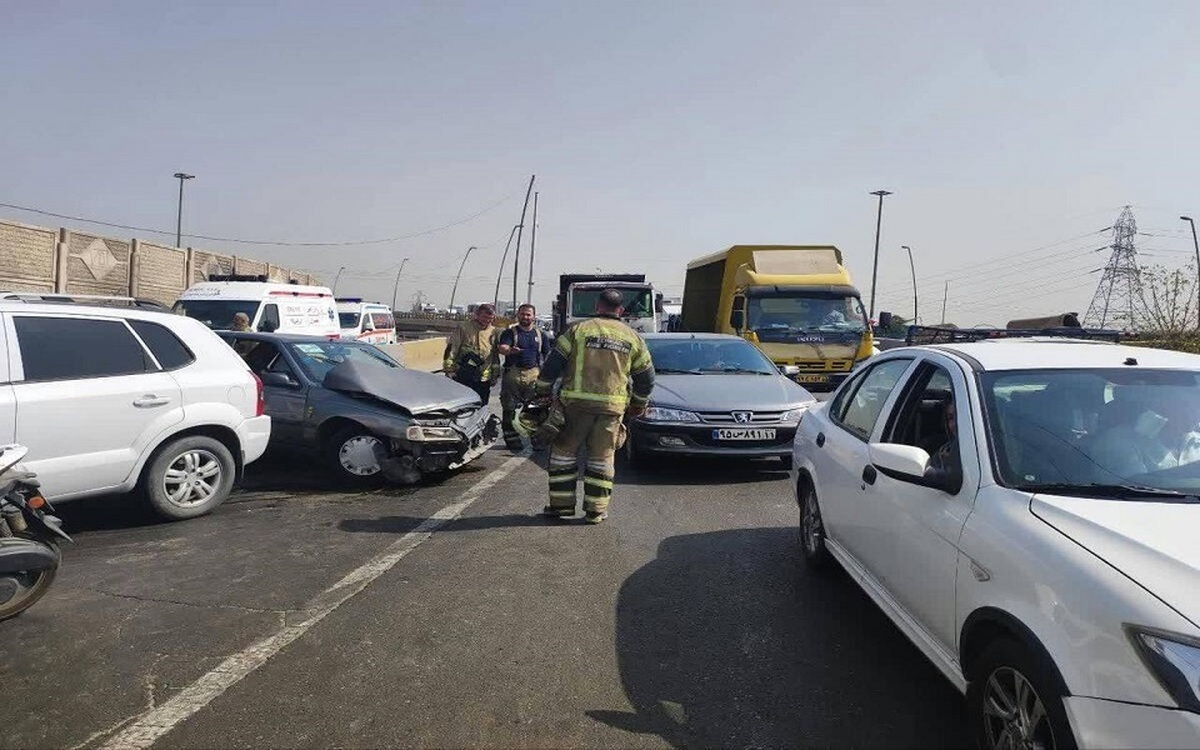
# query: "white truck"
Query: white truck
{"points": [[578, 293]]}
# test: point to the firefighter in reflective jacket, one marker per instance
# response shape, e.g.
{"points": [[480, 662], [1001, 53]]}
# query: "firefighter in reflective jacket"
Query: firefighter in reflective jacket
{"points": [[597, 360]]}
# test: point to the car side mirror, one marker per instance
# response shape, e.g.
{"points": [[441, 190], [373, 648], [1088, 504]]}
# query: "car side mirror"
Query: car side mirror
{"points": [[737, 319], [790, 370], [906, 463], [267, 327], [279, 380], [885, 320]]}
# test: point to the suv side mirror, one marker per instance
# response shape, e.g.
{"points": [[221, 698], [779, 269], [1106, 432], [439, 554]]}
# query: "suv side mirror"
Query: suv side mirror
{"points": [[279, 380]]}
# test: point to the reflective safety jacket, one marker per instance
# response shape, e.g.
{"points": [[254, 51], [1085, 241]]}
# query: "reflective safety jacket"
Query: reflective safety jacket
{"points": [[471, 351], [604, 365]]}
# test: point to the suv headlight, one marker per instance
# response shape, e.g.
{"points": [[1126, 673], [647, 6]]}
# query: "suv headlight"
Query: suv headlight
{"points": [[659, 414], [1174, 659]]}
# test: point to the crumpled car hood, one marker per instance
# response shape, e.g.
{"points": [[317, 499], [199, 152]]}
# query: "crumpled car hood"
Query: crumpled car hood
{"points": [[416, 392]]}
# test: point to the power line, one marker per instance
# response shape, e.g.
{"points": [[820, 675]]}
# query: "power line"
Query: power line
{"points": [[345, 243]]}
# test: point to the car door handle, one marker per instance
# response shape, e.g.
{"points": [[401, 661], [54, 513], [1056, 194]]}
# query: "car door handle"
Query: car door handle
{"points": [[820, 440], [149, 401], [869, 474]]}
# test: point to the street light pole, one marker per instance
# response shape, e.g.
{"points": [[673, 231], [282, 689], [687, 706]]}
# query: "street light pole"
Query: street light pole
{"points": [[179, 214], [913, 268], [503, 261], [454, 291], [1196, 243], [532, 250], [396, 288], [875, 267], [335, 279]]}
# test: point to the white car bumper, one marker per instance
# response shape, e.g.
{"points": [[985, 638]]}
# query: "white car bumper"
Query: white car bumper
{"points": [[254, 433], [1108, 724]]}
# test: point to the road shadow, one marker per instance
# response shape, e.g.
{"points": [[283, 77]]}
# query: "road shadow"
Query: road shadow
{"points": [[708, 471], [782, 657]]}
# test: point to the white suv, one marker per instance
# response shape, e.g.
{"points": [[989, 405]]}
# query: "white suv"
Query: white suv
{"points": [[108, 400], [1028, 514]]}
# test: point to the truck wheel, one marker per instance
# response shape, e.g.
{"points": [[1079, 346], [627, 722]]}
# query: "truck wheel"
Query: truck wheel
{"points": [[188, 477]]}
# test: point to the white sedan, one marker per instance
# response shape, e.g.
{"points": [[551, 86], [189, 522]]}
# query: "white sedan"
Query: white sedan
{"points": [[1028, 513]]}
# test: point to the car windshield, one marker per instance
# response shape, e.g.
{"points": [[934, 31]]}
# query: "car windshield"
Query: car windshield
{"points": [[348, 320], [638, 302], [319, 357], [834, 314], [216, 313], [702, 356], [1089, 431]]}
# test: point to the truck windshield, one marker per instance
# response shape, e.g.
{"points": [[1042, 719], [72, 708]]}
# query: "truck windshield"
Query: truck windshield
{"points": [[639, 303], [805, 313], [348, 320], [216, 313]]}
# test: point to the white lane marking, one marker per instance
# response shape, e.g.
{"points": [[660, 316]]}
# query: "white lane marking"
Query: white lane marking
{"points": [[155, 723]]}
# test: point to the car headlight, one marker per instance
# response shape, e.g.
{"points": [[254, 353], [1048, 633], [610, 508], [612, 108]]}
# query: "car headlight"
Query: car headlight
{"points": [[659, 414], [418, 434], [792, 416], [1175, 660]]}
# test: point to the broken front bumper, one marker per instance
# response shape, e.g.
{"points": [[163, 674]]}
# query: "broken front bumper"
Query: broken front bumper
{"points": [[435, 456]]}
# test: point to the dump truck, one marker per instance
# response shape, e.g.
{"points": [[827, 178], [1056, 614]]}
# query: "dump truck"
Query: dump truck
{"points": [[578, 292], [794, 302]]}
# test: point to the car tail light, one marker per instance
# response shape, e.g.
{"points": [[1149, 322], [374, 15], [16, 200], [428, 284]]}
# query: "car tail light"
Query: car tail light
{"points": [[259, 398]]}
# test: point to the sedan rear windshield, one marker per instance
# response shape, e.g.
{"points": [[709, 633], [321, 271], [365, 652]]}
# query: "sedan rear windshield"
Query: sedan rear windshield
{"points": [[1064, 430]]}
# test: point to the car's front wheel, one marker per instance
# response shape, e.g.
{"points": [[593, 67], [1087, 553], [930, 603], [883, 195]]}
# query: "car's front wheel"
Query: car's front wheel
{"points": [[812, 527], [189, 477], [355, 455], [1013, 701]]}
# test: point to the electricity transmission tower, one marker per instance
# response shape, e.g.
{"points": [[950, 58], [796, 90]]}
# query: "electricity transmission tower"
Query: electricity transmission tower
{"points": [[1117, 302]]}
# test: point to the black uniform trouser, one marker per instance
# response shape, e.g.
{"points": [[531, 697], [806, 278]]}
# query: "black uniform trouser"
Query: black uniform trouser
{"points": [[482, 387]]}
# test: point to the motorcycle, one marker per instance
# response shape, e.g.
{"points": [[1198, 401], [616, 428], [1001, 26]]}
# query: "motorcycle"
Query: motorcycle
{"points": [[29, 534]]}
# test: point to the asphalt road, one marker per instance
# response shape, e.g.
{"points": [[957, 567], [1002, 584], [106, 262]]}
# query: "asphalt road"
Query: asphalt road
{"points": [[447, 615]]}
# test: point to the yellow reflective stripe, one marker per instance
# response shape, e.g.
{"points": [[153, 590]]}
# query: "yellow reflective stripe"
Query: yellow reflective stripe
{"points": [[565, 345], [577, 381], [586, 396], [557, 493], [604, 483]]}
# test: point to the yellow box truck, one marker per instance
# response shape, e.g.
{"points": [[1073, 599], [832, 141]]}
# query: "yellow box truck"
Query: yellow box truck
{"points": [[795, 302]]}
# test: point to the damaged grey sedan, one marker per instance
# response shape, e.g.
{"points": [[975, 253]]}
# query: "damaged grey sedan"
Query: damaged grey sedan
{"points": [[368, 417]]}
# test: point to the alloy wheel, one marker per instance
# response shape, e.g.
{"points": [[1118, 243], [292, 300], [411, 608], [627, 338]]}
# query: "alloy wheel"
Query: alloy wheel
{"points": [[193, 478], [811, 528], [1015, 716]]}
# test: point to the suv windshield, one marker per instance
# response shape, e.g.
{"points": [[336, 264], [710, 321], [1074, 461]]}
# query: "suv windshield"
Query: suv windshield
{"points": [[809, 313], [216, 314], [319, 357], [708, 355], [1090, 430]]}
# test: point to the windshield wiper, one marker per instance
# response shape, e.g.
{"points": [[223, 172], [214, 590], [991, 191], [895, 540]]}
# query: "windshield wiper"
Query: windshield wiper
{"points": [[1108, 490], [669, 371], [733, 369]]}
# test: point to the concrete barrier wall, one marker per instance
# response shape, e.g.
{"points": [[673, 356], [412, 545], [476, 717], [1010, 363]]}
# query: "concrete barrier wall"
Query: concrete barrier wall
{"points": [[422, 354], [41, 259]]}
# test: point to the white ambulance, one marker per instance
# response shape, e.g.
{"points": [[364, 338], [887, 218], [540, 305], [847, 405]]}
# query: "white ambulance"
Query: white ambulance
{"points": [[371, 322], [271, 307]]}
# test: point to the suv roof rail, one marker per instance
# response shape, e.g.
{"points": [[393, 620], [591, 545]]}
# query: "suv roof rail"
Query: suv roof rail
{"points": [[102, 300], [922, 335]]}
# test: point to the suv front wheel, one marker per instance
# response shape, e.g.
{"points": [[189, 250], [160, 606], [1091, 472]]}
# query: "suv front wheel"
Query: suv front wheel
{"points": [[189, 477]]}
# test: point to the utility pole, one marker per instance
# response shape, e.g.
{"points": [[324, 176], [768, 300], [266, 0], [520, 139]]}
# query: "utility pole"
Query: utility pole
{"points": [[503, 260], [532, 249], [945, 294], [1196, 243], [520, 227], [396, 288], [335, 279], [454, 291], [875, 267], [179, 214], [913, 268]]}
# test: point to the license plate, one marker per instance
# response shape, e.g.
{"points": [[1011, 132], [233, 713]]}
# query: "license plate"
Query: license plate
{"points": [[812, 378], [744, 434]]}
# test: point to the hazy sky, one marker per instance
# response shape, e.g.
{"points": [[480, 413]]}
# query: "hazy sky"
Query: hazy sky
{"points": [[659, 132]]}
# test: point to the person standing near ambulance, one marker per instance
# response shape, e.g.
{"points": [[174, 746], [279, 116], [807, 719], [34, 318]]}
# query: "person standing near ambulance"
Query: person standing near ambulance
{"points": [[524, 348], [470, 356], [606, 374]]}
